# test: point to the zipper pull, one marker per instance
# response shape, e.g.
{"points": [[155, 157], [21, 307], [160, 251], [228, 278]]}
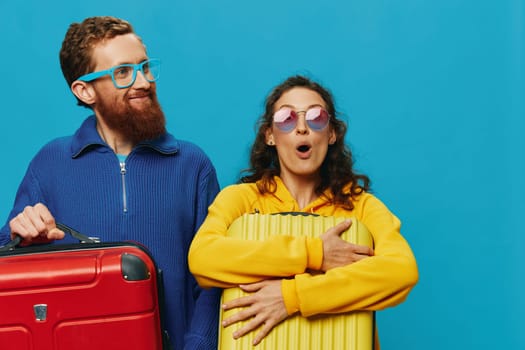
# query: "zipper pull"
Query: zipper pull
{"points": [[124, 194]]}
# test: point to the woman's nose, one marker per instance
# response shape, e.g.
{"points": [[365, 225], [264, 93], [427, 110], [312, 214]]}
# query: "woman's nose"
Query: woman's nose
{"points": [[302, 127]]}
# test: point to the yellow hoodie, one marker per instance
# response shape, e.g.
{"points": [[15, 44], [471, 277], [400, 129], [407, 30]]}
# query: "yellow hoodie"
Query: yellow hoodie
{"points": [[373, 283]]}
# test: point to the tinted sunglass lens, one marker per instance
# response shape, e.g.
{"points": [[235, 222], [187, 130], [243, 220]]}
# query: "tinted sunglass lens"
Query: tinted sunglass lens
{"points": [[285, 119], [317, 118]]}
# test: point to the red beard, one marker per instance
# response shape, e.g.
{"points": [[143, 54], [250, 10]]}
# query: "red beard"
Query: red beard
{"points": [[134, 124]]}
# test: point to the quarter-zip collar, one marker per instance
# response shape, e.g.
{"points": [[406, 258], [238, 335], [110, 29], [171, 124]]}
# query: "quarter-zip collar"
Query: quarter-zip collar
{"points": [[88, 139]]}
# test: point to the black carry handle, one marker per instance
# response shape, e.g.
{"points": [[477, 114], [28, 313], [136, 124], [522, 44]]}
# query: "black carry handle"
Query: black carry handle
{"points": [[295, 213], [81, 237], [12, 244]]}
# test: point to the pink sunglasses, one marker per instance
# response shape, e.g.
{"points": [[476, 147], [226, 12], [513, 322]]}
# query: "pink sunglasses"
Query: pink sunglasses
{"points": [[285, 119]]}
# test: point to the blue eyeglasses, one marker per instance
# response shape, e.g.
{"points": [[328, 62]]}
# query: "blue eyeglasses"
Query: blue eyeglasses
{"points": [[124, 75]]}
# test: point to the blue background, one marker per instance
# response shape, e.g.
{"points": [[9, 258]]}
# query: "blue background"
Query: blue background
{"points": [[433, 92]]}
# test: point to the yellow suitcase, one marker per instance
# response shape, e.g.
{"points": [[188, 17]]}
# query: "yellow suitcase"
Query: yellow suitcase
{"points": [[349, 331]]}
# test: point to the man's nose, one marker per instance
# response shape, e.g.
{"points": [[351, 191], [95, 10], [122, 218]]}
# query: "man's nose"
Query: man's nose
{"points": [[140, 80]]}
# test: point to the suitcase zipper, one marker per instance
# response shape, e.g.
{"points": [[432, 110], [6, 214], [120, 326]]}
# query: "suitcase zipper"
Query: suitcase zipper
{"points": [[124, 197]]}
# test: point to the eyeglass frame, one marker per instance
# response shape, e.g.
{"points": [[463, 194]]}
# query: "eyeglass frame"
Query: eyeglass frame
{"points": [[311, 125], [136, 67]]}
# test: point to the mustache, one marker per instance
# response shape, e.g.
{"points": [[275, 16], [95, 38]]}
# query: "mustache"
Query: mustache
{"points": [[138, 94]]}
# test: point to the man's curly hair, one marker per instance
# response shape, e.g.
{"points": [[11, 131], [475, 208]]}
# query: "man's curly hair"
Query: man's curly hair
{"points": [[81, 38]]}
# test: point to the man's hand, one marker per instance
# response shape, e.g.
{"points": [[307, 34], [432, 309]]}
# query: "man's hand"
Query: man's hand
{"points": [[337, 252], [265, 307], [35, 225]]}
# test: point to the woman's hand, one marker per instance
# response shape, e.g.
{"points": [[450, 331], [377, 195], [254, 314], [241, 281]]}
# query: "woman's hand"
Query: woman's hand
{"points": [[264, 307], [337, 252]]}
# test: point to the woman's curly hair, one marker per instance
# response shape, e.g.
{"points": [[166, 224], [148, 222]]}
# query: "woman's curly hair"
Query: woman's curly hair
{"points": [[337, 168]]}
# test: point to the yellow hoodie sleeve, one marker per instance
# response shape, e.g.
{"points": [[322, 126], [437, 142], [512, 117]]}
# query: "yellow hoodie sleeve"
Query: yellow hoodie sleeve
{"points": [[373, 283], [217, 260]]}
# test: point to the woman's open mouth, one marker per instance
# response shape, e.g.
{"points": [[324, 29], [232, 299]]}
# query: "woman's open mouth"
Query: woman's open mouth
{"points": [[304, 151]]}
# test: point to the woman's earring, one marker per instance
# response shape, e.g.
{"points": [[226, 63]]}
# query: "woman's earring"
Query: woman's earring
{"points": [[270, 143]]}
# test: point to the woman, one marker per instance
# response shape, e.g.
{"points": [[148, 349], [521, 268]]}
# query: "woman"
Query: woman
{"points": [[299, 162]]}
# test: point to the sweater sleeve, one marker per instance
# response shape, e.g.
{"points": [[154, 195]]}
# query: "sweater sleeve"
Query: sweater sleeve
{"points": [[202, 334], [373, 283], [217, 260], [28, 193]]}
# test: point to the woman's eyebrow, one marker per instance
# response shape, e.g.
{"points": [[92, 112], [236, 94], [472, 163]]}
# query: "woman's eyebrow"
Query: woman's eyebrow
{"points": [[307, 108]]}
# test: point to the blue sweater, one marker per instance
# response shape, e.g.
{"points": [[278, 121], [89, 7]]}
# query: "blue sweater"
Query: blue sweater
{"points": [[159, 199]]}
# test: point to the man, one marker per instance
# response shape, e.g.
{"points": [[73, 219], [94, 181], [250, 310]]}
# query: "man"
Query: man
{"points": [[121, 176]]}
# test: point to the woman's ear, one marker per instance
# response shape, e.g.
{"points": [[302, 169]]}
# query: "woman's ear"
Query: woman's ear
{"points": [[84, 92], [269, 137], [332, 138]]}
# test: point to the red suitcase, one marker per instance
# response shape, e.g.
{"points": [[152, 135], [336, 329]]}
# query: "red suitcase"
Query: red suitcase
{"points": [[79, 297]]}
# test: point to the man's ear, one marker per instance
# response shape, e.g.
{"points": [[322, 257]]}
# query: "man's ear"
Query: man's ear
{"points": [[84, 92]]}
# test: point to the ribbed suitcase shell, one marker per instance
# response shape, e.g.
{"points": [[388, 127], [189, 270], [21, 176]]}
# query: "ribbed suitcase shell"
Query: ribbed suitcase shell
{"points": [[349, 331]]}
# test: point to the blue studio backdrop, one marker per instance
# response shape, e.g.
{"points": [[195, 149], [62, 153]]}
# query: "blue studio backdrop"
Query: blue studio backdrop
{"points": [[433, 92]]}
